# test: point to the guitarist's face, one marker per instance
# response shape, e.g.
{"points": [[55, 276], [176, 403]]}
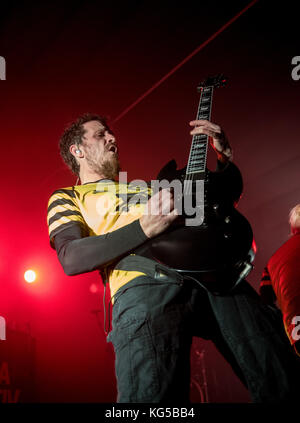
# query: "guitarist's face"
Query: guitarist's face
{"points": [[100, 150]]}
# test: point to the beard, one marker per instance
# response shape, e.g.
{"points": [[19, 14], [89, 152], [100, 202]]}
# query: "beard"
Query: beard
{"points": [[109, 167]]}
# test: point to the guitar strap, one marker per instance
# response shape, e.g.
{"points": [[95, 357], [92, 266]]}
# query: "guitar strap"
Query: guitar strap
{"points": [[150, 267], [163, 273]]}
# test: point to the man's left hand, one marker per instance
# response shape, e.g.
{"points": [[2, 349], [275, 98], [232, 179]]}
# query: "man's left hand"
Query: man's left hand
{"points": [[218, 139]]}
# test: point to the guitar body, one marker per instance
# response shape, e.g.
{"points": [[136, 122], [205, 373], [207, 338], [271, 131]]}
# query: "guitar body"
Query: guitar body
{"points": [[216, 251]]}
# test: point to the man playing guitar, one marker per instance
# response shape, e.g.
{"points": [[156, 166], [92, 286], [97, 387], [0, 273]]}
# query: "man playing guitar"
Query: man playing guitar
{"points": [[157, 310]]}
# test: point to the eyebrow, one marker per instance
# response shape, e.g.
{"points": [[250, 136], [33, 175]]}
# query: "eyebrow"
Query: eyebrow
{"points": [[103, 130]]}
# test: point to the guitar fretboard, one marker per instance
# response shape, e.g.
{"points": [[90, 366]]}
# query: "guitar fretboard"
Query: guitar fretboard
{"points": [[198, 152]]}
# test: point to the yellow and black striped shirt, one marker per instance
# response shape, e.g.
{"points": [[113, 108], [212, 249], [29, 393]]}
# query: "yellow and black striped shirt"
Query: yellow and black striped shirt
{"points": [[106, 217]]}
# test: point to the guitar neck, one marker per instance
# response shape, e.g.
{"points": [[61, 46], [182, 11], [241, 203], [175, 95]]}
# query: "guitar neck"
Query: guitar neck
{"points": [[196, 166]]}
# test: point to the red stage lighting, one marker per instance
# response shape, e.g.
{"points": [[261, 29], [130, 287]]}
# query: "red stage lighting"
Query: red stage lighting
{"points": [[254, 247]]}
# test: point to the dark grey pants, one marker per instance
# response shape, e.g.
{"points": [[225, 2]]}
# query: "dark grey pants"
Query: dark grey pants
{"points": [[155, 318]]}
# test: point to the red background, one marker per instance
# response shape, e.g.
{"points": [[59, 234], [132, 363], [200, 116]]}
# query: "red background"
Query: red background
{"points": [[69, 58]]}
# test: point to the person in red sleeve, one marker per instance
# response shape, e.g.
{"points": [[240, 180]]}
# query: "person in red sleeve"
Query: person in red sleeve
{"points": [[281, 280]]}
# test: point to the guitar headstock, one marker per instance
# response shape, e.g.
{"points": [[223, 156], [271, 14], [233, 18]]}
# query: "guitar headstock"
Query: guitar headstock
{"points": [[213, 81]]}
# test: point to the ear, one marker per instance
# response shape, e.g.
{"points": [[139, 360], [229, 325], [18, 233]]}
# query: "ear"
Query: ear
{"points": [[74, 151]]}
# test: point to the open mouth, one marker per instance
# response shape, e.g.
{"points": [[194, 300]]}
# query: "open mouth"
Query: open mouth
{"points": [[112, 148]]}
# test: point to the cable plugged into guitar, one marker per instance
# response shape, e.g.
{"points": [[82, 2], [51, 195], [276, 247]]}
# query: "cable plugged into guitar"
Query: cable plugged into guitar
{"points": [[244, 267]]}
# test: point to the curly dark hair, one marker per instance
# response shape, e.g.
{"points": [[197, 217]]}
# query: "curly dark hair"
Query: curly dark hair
{"points": [[73, 135]]}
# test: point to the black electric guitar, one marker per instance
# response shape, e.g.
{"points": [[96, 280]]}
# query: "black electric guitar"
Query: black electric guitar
{"points": [[216, 248]]}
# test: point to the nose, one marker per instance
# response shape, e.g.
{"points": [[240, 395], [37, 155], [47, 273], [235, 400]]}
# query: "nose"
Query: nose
{"points": [[109, 137]]}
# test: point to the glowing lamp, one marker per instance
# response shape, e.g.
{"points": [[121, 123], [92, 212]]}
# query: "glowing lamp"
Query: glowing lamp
{"points": [[30, 276]]}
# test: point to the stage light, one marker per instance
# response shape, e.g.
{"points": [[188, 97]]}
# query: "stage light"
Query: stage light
{"points": [[30, 276]]}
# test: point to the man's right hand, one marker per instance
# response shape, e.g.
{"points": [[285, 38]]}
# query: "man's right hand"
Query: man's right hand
{"points": [[159, 213]]}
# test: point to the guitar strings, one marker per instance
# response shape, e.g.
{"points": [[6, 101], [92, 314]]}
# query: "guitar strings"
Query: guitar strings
{"points": [[188, 187]]}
